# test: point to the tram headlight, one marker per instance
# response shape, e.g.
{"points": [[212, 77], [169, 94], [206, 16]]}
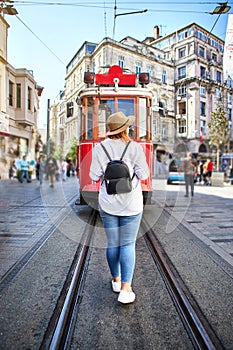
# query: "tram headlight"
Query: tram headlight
{"points": [[89, 77], [144, 78]]}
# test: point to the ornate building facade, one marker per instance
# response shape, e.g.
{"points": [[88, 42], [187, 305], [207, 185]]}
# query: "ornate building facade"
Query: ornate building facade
{"points": [[19, 105]]}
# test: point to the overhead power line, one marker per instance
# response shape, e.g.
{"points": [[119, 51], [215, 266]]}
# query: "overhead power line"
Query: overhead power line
{"points": [[41, 41]]}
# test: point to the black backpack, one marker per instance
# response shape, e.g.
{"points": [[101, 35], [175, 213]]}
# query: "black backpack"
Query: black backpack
{"points": [[117, 176]]}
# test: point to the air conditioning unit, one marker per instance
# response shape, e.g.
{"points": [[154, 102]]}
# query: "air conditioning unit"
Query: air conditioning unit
{"points": [[178, 116]]}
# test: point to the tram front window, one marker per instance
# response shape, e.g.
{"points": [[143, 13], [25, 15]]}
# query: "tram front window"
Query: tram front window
{"points": [[142, 118], [127, 107], [106, 108]]}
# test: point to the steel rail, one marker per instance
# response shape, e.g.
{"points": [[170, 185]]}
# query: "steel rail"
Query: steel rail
{"points": [[61, 329], [196, 324]]}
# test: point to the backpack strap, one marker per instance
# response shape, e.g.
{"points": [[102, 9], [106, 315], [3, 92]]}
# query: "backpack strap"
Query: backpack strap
{"points": [[125, 150], [106, 151]]}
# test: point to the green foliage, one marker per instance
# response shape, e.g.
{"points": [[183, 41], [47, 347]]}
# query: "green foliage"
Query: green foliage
{"points": [[219, 131], [219, 128], [71, 154], [58, 153]]}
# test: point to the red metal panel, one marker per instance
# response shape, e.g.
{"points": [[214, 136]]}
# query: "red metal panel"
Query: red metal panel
{"points": [[113, 73], [85, 158]]}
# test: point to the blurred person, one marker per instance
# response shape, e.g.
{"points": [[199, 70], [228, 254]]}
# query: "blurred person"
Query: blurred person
{"points": [[209, 170], [64, 166], [189, 166], [13, 171], [51, 168], [121, 213], [40, 169], [24, 170]]}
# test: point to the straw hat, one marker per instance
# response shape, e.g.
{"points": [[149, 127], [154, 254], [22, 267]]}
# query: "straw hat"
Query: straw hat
{"points": [[118, 122]]}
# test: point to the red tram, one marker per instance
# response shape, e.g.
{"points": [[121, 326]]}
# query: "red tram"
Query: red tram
{"points": [[106, 94]]}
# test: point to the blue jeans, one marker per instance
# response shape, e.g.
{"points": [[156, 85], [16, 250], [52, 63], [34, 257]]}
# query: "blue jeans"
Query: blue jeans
{"points": [[24, 173], [121, 233]]}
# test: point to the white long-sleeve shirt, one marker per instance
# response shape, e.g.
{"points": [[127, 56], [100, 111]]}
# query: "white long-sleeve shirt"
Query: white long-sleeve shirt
{"points": [[124, 204]]}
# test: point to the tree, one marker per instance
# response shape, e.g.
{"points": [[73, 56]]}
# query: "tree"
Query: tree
{"points": [[219, 132], [72, 150]]}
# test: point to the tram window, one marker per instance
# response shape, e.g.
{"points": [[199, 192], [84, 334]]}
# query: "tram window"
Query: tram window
{"points": [[106, 108], [142, 118], [89, 123], [127, 107]]}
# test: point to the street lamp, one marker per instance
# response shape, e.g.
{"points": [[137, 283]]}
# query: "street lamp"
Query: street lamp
{"points": [[130, 13], [223, 8], [8, 9]]}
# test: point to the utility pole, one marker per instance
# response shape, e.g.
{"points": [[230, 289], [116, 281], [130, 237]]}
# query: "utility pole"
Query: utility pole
{"points": [[48, 127]]}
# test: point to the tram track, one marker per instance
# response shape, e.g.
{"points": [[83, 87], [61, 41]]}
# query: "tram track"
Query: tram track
{"points": [[60, 326], [196, 324], [62, 323]]}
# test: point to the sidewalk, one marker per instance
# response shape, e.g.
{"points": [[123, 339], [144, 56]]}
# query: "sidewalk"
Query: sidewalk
{"points": [[28, 213], [208, 214]]}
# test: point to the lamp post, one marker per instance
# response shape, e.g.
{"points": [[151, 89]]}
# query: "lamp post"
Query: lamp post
{"points": [[48, 128], [7, 9]]}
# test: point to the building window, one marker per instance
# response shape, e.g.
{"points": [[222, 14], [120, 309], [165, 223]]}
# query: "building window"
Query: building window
{"points": [[229, 114], [203, 126], [181, 72], [214, 57], [29, 98], [11, 87], [218, 76], [229, 81], [138, 67], [18, 96], [202, 91], [121, 61], [69, 109], [164, 132], [149, 70], [202, 72], [229, 98], [201, 51], [161, 109], [182, 52], [182, 126], [202, 108], [182, 90], [182, 108], [164, 77], [218, 94]]}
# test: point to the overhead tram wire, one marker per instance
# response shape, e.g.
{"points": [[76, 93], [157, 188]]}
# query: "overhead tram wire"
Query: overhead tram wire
{"points": [[40, 40], [95, 5], [121, 2]]}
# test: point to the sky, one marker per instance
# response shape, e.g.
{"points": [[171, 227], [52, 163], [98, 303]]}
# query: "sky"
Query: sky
{"points": [[44, 36]]}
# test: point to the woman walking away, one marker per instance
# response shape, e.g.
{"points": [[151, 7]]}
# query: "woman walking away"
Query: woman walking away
{"points": [[121, 213]]}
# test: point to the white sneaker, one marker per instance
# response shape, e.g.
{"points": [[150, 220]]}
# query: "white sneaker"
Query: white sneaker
{"points": [[116, 286], [126, 297]]}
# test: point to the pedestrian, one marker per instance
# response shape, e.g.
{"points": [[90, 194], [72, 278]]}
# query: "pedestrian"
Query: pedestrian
{"points": [[200, 172], [51, 168], [64, 165], [121, 213], [40, 168], [209, 170], [24, 169], [189, 166], [13, 171], [73, 168]]}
